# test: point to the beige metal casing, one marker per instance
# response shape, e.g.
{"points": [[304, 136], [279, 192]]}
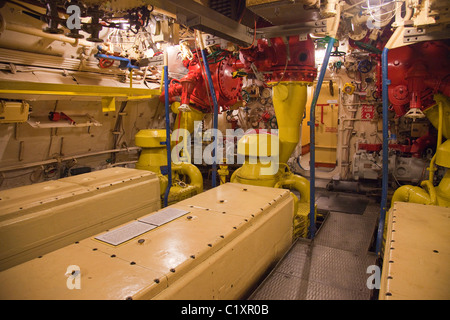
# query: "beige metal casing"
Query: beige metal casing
{"points": [[230, 238], [417, 253], [37, 219]]}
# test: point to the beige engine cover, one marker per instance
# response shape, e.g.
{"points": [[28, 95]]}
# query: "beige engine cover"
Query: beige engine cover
{"points": [[225, 240], [39, 218]]}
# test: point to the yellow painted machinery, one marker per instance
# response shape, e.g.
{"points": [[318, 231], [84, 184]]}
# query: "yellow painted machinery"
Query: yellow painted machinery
{"points": [[290, 68], [289, 99], [427, 193], [215, 245], [187, 179], [416, 259], [39, 218]]}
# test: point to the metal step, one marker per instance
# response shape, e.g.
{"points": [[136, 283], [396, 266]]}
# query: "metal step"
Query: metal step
{"points": [[347, 232]]}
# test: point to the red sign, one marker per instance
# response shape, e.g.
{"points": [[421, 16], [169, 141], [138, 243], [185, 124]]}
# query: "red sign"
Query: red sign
{"points": [[367, 112]]}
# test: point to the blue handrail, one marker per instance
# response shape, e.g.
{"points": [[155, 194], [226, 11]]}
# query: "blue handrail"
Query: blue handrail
{"points": [[311, 123], [167, 142], [385, 83], [215, 115]]}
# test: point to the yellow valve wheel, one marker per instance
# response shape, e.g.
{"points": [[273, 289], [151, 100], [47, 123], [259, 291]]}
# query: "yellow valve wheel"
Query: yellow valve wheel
{"points": [[349, 88]]}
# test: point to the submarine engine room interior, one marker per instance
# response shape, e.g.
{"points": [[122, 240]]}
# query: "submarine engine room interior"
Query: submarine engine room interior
{"points": [[225, 150]]}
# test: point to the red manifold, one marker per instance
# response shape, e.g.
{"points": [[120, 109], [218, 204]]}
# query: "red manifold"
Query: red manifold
{"points": [[193, 87], [287, 59], [417, 72]]}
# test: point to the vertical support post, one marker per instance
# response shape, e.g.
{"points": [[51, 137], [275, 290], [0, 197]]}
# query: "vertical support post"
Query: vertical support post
{"points": [[215, 111], [385, 83], [311, 123], [167, 142]]}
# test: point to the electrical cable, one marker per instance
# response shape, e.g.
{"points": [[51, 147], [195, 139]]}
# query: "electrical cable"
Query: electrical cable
{"points": [[377, 7], [253, 42]]}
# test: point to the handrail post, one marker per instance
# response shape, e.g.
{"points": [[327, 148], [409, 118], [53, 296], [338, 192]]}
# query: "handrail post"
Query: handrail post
{"points": [[384, 190], [167, 142], [311, 123], [215, 111]]}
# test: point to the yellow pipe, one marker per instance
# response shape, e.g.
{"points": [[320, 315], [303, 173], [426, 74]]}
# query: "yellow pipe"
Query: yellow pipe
{"points": [[191, 171], [223, 173], [186, 118], [162, 82], [289, 102], [37, 88], [299, 183], [131, 78], [154, 156], [411, 194], [439, 141], [427, 185], [162, 184], [429, 194], [443, 190]]}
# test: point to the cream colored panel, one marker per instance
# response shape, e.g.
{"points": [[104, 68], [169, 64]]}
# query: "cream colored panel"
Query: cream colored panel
{"points": [[204, 254], [39, 218], [417, 253]]}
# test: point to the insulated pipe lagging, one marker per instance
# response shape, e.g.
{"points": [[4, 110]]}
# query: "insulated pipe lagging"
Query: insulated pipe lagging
{"points": [[311, 123]]}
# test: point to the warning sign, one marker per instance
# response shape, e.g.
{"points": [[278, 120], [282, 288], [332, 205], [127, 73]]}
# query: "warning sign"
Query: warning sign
{"points": [[367, 112]]}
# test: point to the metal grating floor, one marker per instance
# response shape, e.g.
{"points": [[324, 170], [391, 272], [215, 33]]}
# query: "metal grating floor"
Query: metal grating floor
{"points": [[342, 202], [331, 267]]}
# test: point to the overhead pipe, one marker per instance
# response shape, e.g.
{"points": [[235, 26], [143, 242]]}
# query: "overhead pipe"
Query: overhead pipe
{"points": [[311, 123], [167, 142], [62, 159], [384, 189], [39, 33], [216, 107]]}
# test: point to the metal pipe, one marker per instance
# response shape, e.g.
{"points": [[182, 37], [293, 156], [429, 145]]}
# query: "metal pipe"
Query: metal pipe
{"points": [[311, 123], [439, 141], [215, 112], [39, 33], [167, 142], [62, 159], [385, 83], [194, 174]]}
